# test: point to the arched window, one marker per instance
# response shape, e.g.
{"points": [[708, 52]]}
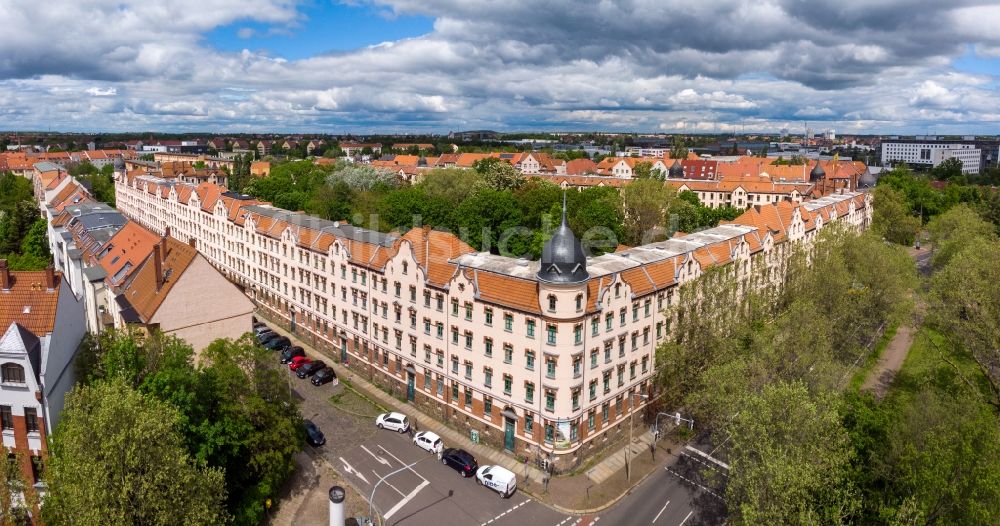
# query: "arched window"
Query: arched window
{"points": [[579, 302], [12, 372], [552, 302]]}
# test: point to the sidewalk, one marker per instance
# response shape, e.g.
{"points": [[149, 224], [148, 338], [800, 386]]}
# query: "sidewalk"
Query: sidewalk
{"points": [[598, 487]]}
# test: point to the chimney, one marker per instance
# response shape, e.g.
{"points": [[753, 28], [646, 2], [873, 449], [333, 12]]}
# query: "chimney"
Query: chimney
{"points": [[191, 242], [5, 281], [158, 266], [163, 248], [50, 278], [166, 232]]}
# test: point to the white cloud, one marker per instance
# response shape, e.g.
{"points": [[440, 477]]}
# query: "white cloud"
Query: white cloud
{"points": [[628, 64]]}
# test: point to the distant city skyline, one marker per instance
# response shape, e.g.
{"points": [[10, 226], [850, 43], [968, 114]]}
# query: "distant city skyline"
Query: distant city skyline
{"points": [[431, 66]]}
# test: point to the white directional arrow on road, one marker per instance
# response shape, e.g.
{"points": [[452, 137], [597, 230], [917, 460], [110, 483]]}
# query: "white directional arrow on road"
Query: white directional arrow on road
{"points": [[349, 469], [376, 457]]}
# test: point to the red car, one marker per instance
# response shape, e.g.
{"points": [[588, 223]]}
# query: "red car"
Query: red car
{"points": [[298, 361]]}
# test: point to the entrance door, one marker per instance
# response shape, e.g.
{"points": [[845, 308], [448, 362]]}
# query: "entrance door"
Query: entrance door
{"points": [[343, 350], [411, 386], [508, 435], [291, 314]]}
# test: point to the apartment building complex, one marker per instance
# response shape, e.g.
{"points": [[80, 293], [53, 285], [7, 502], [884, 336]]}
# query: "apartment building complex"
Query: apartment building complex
{"points": [[537, 357], [930, 152]]}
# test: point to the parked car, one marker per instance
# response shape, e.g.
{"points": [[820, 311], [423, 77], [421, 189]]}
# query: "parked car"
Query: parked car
{"points": [[278, 344], [460, 460], [266, 336], [393, 422], [428, 441], [292, 352], [324, 376], [310, 369], [260, 329], [299, 361], [313, 435], [497, 478]]}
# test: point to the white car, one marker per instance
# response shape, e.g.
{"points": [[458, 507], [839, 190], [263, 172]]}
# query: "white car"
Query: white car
{"points": [[497, 478], [393, 422], [428, 441]]}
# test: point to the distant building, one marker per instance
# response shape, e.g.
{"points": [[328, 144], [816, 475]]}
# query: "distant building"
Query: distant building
{"points": [[474, 135], [930, 152]]}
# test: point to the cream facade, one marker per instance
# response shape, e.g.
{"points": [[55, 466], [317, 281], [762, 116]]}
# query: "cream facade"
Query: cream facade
{"points": [[535, 368]]}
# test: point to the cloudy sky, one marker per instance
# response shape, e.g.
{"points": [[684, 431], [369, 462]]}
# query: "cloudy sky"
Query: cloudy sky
{"points": [[865, 66]]}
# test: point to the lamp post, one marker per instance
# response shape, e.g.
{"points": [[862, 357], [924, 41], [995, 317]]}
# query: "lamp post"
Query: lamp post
{"points": [[628, 449]]}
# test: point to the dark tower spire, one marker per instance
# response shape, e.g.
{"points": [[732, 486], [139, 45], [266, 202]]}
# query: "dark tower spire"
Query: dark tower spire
{"points": [[563, 260]]}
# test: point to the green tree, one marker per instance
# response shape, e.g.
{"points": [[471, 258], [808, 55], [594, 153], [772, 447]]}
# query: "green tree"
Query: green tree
{"points": [[498, 174], [789, 459], [891, 218], [954, 230], [15, 222], [13, 482], [118, 458], [646, 203], [642, 170], [489, 217], [948, 169], [677, 149]]}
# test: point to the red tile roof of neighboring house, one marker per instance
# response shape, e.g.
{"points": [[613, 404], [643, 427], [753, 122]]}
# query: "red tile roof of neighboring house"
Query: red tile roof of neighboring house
{"points": [[30, 302]]}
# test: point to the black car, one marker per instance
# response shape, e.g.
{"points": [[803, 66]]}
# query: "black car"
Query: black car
{"points": [[288, 354], [310, 369], [313, 435], [323, 376], [460, 460], [266, 336], [278, 344]]}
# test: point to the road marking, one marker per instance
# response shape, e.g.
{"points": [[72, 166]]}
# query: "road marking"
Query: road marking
{"points": [[690, 513], [708, 457], [376, 457], [387, 483], [577, 521], [706, 464], [508, 511], [682, 477], [349, 469], [405, 500], [386, 451], [661, 512]]}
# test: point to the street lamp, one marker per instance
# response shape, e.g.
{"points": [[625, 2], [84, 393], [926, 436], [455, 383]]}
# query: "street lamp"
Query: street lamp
{"points": [[628, 448]]}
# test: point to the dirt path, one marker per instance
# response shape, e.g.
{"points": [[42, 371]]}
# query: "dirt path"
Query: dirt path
{"points": [[881, 376]]}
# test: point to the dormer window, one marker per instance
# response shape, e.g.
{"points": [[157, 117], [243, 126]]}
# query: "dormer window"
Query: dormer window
{"points": [[12, 373], [552, 302]]}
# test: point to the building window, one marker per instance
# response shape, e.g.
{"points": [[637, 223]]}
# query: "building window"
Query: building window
{"points": [[604, 413], [6, 418], [454, 392], [488, 377], [551, 331], [591, 420], [427, 379], [508, 354], [468, 370], [577, 366], [529, 424], [529, 392], [454, 365], [13, 373], [549, 432], [468, 397], [468, 311], [552, 302], [508, 382], [579, 302], [550, 400], [593, 390], [531, 328], [609, 320], [550, 367], [508, 322], [578, 334], [621, 317], [488, 406], [454, 306], [489, 316], [576, 399], [594, 326], [489, 347], [607, 382]]}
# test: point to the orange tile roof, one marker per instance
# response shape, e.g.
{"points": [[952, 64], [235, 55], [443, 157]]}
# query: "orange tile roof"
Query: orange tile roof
{"points": [[29, 302], [516, 293], [130, 246], [581, 167], [433, 251], [142, 292]]}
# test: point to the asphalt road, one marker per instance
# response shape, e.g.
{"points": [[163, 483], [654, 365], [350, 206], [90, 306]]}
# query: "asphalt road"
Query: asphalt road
{"points": [[430, 493]]}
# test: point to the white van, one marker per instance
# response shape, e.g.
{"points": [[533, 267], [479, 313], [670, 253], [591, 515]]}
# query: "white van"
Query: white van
{"points": [[498, 479]]}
